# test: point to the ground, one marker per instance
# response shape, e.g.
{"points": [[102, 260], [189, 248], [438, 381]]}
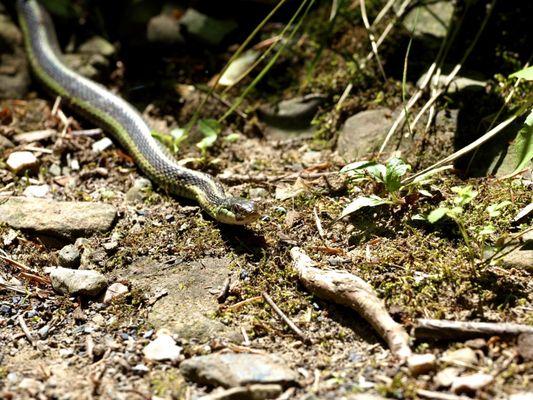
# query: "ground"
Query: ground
{"points": [[176, 260]]}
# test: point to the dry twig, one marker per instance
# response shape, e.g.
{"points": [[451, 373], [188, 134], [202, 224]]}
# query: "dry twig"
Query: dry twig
{"points": [[446, 329], [286, 319], [351, 291]]}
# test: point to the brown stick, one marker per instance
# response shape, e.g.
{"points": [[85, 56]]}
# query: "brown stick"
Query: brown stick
{"points": [[284, 317], [445, 329], [351, 291]]}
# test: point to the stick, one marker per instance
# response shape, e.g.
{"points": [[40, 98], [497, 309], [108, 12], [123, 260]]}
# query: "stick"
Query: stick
{"points": [[286, 319], [446, 329], [349, 290], [26, 331]]}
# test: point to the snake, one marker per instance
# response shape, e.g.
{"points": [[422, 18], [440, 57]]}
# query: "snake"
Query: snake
{"points": [[122, 121]]}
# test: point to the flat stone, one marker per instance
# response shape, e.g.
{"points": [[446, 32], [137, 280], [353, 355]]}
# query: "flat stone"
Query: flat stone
{"points": [[363, 133], [293, 114], [471, 383], [22, 161], [76, 282], [102, 144], [164, 28], [237, 369], [430, 19], [162, 348], [464, 356], [64, 220], [525, 346], [115, 291], [39, 191], [446, 377], [97, 45], [521, 257], [186, 308], [69, 256], [421, 363], [5, 143]]}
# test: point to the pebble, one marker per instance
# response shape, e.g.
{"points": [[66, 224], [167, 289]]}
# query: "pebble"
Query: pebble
{"points": [[237, 369], [138, 192], [525, 346], [21, 161], [39, 191], [471, 383], [446, 377], [69, 256], [421, 363], [163, 347], [43, 332], [258, 193], [140, 369], [32, 386], [62, 219], [77, 282], [5, 143], [164, 29], [115, 291], [464, 356], [97, 45], [101, 145]]}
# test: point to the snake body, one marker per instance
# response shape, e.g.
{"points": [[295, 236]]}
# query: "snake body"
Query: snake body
{"points": [[122, 121]]}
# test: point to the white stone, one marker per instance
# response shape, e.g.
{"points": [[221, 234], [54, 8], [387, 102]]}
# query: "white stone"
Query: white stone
{"points": [[464, 356], [102, 145], [421, 363], [114, 291], [446, 377], [21, 160], [36, 191], [471, 383], [162, 348]]}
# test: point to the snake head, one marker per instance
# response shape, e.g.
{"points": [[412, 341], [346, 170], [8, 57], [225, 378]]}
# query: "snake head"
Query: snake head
{"points": [[237, 211]]}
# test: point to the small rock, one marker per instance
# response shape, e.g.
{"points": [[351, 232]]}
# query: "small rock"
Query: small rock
{"points": [[162, 348], [237, 369], [525, 346], [521, 257], [55, 170], [471, 383], [363, 133], [69, 256], [77, 282], [421, 363], [32, 386], [101, 145], [430, 19], [446, 377], [97, 45], [139, 191], [39, 191], [99, 320], [62, 219], [21, 161], [164, 29], [258, 193], [110, 246], [204, 28], [43, 332], [458, 84], [5, 143], [65, 353], [115, 291], [249, 392], [464, 356], [476, 344], [292, 115], [140, 369]]}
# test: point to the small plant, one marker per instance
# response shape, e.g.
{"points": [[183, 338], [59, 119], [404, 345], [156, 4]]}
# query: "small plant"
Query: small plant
{"points": [[210, 129], [390, 177]]}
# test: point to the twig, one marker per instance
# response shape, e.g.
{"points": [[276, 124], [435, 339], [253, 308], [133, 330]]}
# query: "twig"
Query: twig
{"points": [[286, 319], [246, 339], [12, 288], [240, 304], [26, 272], [429, 394], [318, 223], [87, 132], [446, 329], [372, 38], [221, 298], [26, 331], [349, 290]]}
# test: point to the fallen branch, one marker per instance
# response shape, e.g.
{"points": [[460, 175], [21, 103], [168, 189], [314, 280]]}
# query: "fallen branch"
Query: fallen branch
{"points": [[446, 329], [351, 291]]}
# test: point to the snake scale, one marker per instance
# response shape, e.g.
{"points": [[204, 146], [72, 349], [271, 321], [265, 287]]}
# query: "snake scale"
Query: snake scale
{"points": [[122, 121]]}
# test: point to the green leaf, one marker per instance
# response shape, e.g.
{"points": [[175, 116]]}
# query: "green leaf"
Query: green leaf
{"points": [[210, 128], [465, 194], [487, 230], [494, 209], [395, 169], [526, 73], [377, 172], [357, 165], [437, 214], [360, 202], [524, 143], [232, 138]]}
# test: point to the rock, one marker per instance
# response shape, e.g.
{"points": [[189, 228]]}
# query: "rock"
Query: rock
{"points": [[292, 115], [31, 386], [471, 383], [521, 257], [430, 19], [115, 291], [88, 65], [34, 136], [66, 220], [162, 348], [139, 191], [101, 145], [69, 256], [458, 84], [464, 356], [363, 133], [39, 191], [250, 392], [237, 369], [5, 143], [477, 344], [77, 282], [14, 71], [22, 161], [446, 377], [97, 45], [258, 193], [525, 346], [180, 302], [204, 28], [421, 363], [164, 28]]}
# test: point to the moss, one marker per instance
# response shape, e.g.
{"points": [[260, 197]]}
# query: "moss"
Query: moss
{"points": [[168, 384]]}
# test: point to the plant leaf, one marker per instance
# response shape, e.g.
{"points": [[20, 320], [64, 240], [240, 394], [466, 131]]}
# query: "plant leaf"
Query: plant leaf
{"points": [[377, 172], [494, 209], [364, 201], [395, 169], [465, 194], [356, 166], [524, 143], [526, 73], [210, 128], [437, 214]]}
